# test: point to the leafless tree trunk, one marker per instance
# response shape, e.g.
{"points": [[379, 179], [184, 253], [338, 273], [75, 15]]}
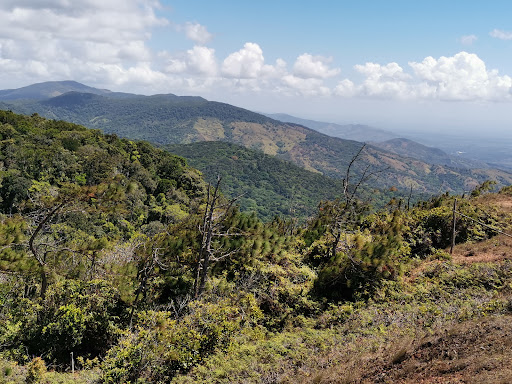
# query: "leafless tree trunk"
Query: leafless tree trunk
{"points": [[205, 252], [41, 259], [212, 222], [347, 210]]}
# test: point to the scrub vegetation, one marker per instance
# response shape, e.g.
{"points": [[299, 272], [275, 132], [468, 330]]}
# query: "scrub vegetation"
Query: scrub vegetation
{"points": [[119, 260]]}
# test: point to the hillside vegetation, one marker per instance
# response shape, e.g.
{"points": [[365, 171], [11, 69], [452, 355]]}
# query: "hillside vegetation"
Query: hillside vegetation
{"points": [[357, 132], [267, 185], [171, 119], [119, 253]]}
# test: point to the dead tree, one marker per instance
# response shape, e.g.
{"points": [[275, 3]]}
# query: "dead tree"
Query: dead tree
{"points": [[41, 258], [346, 209], [213, 219]]}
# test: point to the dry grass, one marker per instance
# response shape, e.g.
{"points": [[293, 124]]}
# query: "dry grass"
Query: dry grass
{"points": [[502, 201], [473, 352], [209, 129], [490, 250]]}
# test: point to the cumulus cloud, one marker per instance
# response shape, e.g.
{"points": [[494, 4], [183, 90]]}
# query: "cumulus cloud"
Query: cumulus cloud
{"points": [[198, 60], [345, 88], [391, 71], [306, 87], [382, 81], [468, 39], [309, 66], [197, 33], [106, 43], [501, 34], [249, 63], [463, 76], [57, 39]]}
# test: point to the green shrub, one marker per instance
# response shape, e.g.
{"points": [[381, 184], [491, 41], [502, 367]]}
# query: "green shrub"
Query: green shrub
{"points": [[79, 317], [160, 347]]}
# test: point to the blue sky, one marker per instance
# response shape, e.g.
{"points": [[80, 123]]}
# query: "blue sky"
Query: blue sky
{"points": [[433, 65], [351, 31]]}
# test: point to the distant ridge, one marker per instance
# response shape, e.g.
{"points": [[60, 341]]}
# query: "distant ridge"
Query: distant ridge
{"points": [[170, 119], [410, 148], [48, 89], [357, 132], [385, 140]]}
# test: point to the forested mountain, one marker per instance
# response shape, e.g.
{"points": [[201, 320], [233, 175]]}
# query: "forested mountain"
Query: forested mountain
{"points": [[267, 185], [168, 119], [47, 90], [118, 260]]}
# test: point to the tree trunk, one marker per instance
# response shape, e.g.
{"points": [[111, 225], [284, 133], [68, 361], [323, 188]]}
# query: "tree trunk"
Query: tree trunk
{"points": [[206, 245]]}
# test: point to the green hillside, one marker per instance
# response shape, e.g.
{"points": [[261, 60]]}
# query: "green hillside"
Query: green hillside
{"points": [[171, 119], [47, 164], [267, 185], [115, 253]]}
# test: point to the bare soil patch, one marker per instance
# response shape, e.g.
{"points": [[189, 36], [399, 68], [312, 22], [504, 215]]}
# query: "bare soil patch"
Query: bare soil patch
{"points": [[490, 250]]}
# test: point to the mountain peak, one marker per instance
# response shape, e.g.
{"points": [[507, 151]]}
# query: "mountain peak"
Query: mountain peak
{"points": [[48, 89]]}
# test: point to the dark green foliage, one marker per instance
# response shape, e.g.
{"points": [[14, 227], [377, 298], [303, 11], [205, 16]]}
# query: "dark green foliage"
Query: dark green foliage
{"points": [[365, 260], [79, 317], [430, 224], [267, 185], [13, 191], [486, 186]]}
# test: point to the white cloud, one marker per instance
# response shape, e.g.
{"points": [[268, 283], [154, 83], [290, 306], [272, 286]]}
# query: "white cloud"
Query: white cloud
{"points": [[463, 76], [61, 39], [307, 66], [249, 63], [197, 33], [391, 71], [500, 34], [345, 88], [305, 87], [382, 81], [106, 43], [198, 60], [468, 39]]}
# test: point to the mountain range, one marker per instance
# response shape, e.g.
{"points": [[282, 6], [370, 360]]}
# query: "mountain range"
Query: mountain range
{"points": [[170, 119], [357, 132], [386, 140]]}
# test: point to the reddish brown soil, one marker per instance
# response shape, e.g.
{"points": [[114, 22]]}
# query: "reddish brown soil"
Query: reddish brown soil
{"points": [[473, 352]]}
